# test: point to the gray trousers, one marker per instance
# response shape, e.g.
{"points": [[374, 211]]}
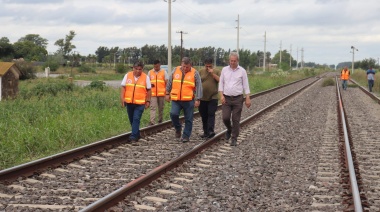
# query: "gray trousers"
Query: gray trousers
{"points": [[232, 109], [156, 103]]}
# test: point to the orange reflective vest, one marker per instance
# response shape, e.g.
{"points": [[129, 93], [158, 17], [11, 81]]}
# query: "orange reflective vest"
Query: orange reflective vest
{"points": [[157, 79], [135, 91], [183, 86], [345, 75]]}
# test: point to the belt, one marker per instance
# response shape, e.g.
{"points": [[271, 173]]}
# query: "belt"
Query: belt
{"points": [[232, 97]]}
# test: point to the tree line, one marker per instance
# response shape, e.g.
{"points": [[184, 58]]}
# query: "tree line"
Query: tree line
{"points": [[32, 47]]}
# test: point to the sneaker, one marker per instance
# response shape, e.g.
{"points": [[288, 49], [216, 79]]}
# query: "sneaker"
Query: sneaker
{"points": [[151, 123], [160, 121], [233, 143], [211, 135], [185, 140], [228, 135], [178, 133]]}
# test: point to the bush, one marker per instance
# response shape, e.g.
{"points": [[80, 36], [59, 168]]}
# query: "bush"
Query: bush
{"points": [[52, 64], [97, 84], [86, 69], [28, 71], [121, 68], [328, 82]]}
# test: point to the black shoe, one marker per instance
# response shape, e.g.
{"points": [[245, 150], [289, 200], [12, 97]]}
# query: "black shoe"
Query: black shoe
{"points": [[233, 143], [151, 123], [160, 121], [185, 140], [204, 136], [228, 135], [178, 133], [211, 135]]}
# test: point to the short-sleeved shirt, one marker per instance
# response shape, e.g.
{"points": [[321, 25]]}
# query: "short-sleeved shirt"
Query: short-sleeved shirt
{"points": [[371, 74], [209, 84]]}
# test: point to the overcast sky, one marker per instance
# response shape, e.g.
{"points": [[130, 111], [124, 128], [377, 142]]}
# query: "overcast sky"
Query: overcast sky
{"points": [[325, 29]]}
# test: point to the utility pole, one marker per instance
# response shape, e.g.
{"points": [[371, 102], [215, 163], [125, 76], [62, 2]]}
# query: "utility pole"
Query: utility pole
{"points": [[279, 65], [353, 56], [181, 42], [265, 46], [297, 59], [169, 35], [238, 27], [215, 58], [290, 57], [302, 58]]}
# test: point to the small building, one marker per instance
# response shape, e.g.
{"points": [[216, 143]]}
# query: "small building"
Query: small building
{"points": [[9, 77]]}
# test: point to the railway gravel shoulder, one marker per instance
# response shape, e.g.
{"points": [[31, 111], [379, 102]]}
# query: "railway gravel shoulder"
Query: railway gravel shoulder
{"points": [[277, 166]]}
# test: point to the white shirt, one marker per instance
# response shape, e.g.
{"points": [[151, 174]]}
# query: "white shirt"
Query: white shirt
{"points": [[234, 82]]}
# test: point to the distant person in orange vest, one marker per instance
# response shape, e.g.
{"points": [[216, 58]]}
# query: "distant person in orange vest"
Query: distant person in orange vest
{"points": [[345, 76], [184, 89], [158, 78], [135, 95]]}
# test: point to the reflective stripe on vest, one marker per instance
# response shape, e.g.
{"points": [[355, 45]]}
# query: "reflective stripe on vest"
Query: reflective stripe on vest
{"points": [[135, 92], [158, 82], [183, 87]]}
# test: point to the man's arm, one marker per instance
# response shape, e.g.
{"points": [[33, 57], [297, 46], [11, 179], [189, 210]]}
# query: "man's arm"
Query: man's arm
{"points": [[122, 94]]}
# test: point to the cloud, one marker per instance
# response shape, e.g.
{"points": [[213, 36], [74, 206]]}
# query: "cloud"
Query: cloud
{"points": [[324, 28]]}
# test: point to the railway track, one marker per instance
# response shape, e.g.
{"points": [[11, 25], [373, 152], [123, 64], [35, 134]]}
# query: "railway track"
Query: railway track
{"points": [[73, 184], [286, 160]]}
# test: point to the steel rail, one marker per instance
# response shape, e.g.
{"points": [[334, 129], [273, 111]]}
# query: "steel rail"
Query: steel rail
{"points": [[377, 99], [353, 182], [119, 194], [37, 166]]}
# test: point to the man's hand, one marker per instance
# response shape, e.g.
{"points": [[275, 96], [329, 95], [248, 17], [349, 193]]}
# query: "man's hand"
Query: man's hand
{"points": [[197, 103], [247, 102], [222, 100], [167, 97]]}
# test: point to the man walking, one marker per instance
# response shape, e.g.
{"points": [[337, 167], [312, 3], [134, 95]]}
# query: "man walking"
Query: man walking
{"points": [[233, 84], [184, 89], [158, 78], [209, 101], [345, 76], [135, 96], [370, 78]]}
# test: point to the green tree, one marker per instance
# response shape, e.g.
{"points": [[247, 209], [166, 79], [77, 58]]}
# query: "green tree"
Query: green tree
{"points": [[6, 49], [65, 45], [36, 39], [29, 51]]}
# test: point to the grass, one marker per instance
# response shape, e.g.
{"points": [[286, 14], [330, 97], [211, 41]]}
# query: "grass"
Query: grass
{"points": [[53, 115]]}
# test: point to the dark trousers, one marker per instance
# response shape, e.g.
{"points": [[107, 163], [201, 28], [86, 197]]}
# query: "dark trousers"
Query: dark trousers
{"points": [[232, 107], [370, 85], [207, 110]]}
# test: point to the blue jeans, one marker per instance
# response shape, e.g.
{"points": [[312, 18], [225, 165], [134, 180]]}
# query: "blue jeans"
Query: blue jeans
{"points": [[188, 110], [134, 114], [344, 84]]}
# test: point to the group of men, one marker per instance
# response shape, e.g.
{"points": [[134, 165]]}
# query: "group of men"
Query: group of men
{"points": [[345, 76], [186, 88]]}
